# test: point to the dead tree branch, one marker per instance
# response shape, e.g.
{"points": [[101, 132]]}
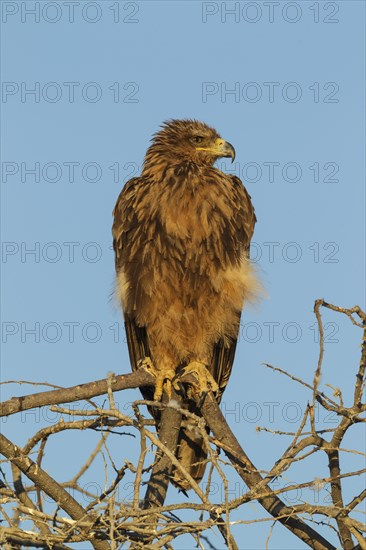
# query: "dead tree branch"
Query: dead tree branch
{"points": [[111, 519]]}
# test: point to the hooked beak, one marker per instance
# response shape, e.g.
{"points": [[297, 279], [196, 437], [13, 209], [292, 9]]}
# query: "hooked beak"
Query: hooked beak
{"points": [[220, 148], [228, 150]]}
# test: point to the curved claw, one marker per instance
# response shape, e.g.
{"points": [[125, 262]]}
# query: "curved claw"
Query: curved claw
{"points": [[205, 380], [163, 378]]}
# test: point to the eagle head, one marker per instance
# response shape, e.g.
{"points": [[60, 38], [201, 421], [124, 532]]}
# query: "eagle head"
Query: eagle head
{"points": [[188, 140]]}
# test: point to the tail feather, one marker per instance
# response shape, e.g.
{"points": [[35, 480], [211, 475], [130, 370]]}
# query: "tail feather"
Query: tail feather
{"points": [[192, 455]]}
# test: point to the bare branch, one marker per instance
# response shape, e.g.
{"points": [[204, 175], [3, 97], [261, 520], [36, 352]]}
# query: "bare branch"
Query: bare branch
{"points": [[50, 487], [75, 393], [109, 520], [250, 475]]}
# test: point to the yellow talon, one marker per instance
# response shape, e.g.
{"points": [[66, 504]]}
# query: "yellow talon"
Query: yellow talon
{"points": [[205, 380], [148, 365], [163, 379]]}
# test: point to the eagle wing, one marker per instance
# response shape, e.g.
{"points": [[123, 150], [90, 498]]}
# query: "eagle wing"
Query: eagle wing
{"points": [[243, 222], [125, 225]]}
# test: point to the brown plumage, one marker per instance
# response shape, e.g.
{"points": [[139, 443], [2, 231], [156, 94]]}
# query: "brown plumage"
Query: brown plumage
{"points": [[181, 233]]}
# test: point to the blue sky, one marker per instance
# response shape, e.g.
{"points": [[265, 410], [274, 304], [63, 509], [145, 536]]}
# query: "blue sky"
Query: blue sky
{"points": [[284, 83]]}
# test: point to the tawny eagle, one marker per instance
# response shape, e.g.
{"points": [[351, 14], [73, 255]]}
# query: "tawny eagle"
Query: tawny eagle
{"points": [[181, 234]]}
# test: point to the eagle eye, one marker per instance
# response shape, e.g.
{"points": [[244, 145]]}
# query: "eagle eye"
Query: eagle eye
{"points": [[197, 139]]}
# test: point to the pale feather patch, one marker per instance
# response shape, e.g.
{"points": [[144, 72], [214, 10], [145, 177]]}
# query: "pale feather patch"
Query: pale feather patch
{"points": [[122, 287], [239, 283]]}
